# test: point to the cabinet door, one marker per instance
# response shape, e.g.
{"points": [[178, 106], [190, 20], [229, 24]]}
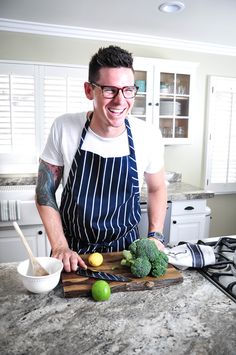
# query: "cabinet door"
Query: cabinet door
{"points": [[176, 94], [12, 248], [174, 105], [187, 228], [166, 97], [143, 75]]}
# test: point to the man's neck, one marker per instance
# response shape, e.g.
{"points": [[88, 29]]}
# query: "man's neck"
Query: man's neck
{"points": [[107, 131]]}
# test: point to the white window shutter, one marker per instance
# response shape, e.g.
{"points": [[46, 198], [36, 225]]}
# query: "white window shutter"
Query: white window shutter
{"points": [[221, 137], [31, 97], [63, 93], [54, 101], [17, 113]]}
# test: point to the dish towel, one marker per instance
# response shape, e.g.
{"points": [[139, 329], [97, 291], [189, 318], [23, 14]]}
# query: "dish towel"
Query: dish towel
{"points": [[9, 210], [190, 255]]}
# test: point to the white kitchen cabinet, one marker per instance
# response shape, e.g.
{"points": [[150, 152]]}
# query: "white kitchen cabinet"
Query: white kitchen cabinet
{"points": [[188, 220], [165, 96], [12, 248]]}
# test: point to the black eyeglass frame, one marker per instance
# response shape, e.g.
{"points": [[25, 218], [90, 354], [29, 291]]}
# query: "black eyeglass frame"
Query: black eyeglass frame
{"points": [[102, 87]]}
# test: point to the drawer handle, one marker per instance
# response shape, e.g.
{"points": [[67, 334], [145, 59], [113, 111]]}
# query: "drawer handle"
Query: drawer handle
{"points": [[189, 208]]}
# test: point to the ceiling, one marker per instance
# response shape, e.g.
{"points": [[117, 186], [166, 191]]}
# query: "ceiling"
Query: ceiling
{"points": [[206, 21]]}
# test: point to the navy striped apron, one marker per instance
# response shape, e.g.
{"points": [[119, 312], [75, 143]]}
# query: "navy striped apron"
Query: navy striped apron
{"points": [[100, 204]]}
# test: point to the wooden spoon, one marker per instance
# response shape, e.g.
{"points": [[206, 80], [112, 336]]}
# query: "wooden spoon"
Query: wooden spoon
{"points": [[38, 270]]}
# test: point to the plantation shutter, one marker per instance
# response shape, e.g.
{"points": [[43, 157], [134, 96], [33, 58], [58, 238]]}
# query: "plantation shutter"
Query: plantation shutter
{"points": [[31, 97], [17, 109], [221, 144], [63, 89]]}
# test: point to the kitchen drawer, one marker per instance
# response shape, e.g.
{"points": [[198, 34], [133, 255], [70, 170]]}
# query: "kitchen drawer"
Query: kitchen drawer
{"points": [[188, 207]]}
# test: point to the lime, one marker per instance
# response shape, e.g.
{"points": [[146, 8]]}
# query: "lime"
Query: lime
{"points": [[95, 259], [101, 290]]}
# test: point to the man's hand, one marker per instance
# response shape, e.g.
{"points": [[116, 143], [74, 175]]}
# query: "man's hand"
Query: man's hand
{"points": [[159, 244], [70, 259]]}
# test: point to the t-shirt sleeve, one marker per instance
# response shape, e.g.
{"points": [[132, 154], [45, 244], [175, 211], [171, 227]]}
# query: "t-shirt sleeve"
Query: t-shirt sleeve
{"points": [[155, 159], [52, 152]]}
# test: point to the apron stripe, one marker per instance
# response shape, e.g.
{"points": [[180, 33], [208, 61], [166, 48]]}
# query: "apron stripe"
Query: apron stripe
{"points": [[108, 207], [100, 204], [87, 178], [94, 204]]}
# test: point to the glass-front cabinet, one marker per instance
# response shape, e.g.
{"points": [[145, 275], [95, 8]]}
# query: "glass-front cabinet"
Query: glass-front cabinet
{"points": [[165, 96]]}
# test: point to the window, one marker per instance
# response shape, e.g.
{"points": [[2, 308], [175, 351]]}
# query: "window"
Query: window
{"points": [[31, 97], [221, 135]]}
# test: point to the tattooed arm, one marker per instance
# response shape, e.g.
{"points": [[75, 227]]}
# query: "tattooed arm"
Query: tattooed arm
{"points": [[49, 177]]}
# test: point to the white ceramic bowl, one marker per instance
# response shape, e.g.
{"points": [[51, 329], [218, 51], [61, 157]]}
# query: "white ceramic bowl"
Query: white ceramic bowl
{"points": [[40, 284]]}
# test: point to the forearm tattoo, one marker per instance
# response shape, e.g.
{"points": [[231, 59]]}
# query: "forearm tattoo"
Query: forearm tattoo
{"points": [[49, 177]]}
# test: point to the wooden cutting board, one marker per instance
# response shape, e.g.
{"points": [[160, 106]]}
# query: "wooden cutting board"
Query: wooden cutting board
{"points": [[75, 285]]}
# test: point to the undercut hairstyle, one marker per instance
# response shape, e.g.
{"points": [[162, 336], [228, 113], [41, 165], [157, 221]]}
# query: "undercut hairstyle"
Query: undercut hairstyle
{"points": [[109, 57]]}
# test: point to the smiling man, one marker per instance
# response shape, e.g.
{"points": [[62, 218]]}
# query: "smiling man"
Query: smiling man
{"points": [[102, 157]]}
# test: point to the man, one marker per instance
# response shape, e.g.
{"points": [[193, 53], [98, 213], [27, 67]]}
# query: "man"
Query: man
{"points": [[101, 156]]}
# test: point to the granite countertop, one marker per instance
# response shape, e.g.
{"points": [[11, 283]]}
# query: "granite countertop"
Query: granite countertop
{"points": [[179, 191], [193, 317]]}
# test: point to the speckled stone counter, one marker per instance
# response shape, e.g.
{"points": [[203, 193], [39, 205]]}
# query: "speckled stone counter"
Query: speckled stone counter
{"points": [[193, 317], [179, 191], [15, 180]]}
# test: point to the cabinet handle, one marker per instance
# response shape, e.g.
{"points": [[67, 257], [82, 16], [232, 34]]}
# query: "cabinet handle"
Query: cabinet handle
{"points": [[157, 104], [150, 104], [189, 208], [40, 232], [174, 222]]}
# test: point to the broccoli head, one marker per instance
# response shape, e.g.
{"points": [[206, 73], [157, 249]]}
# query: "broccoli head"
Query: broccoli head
{"points": [[144, 248], [159, 266], [141, 267], [144, 258]]}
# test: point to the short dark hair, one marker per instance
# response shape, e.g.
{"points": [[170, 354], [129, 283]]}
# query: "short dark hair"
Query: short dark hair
{"points": [[109, 57]]}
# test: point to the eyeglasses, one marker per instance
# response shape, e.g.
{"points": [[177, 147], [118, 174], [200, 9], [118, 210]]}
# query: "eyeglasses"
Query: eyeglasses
{"points": [[110, 92]]}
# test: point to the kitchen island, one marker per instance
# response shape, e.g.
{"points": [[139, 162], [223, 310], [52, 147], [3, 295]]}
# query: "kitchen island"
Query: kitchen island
{"points": [[192, 317]]}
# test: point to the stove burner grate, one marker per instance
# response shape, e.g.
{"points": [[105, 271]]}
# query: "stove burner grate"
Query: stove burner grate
{"points": [[223, 273]]}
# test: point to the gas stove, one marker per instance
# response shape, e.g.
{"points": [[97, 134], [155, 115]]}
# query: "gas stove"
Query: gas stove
{"points": [[223, 273]]}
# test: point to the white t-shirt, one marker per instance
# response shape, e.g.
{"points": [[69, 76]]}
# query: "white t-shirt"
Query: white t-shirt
{"points": [[65, 134]]}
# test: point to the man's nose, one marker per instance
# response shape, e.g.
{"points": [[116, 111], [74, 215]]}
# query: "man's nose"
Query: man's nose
{"points": [[119, 96]]}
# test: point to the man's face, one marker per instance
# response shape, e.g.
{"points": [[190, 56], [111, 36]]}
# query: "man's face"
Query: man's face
{"points": [[110, 113]]}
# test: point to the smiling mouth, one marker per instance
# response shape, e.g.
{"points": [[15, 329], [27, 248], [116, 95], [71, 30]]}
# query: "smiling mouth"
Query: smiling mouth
{"points": [[116, 111]]}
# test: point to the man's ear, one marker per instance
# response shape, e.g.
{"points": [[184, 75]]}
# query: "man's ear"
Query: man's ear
{"points": [[88, 89]]}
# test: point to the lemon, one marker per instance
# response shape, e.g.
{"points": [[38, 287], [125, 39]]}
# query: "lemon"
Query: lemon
{"points": [[95, 259], [101, 290]]}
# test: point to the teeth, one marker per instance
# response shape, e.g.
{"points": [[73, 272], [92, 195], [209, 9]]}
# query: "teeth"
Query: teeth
{"points": [[116, 110]]}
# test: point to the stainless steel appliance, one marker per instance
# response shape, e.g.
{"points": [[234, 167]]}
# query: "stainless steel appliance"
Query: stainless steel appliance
{"points": [[143, 225], [223, 273]]}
